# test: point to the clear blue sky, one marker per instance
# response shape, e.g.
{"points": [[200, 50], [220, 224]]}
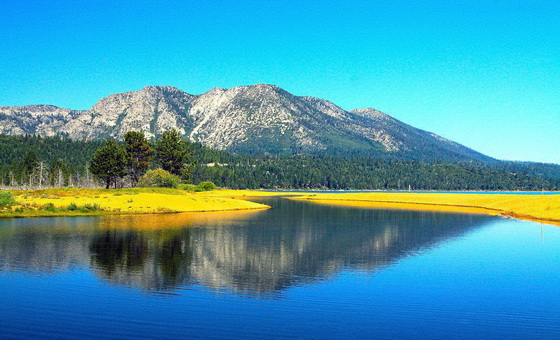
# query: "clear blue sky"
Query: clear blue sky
{"points": [[483, 73]]}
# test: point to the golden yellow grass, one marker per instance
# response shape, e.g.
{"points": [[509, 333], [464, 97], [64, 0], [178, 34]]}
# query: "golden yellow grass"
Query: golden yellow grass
{"points": [[133, 200], [545, 208], [245, 193]]}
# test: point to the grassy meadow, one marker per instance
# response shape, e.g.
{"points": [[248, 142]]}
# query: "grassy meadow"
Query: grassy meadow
{"points": [[79, 202]]}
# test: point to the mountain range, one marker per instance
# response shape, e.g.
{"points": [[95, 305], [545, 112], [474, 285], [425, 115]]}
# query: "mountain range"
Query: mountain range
{"points": [[256, 119]]}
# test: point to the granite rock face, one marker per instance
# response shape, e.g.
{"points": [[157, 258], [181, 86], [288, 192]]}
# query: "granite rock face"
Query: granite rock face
{"points": [[256, 119]]}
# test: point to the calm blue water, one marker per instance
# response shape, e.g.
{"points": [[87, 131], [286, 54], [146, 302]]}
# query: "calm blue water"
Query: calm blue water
{"points": [[299, 270]]}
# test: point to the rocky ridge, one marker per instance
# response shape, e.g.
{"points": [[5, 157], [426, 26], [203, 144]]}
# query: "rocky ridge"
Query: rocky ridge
{"points": [[259, 118]]}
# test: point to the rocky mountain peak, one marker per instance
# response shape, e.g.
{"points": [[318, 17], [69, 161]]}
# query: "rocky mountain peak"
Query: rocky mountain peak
{"points": [[370, 112], [161, 90], [260, 118]]}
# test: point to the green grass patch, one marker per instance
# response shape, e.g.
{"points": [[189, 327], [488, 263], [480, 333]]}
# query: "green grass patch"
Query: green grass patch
{"points": [[202, 186], [50, 208], [7, 199], [90, 207], [206, 186], [187, 187]]}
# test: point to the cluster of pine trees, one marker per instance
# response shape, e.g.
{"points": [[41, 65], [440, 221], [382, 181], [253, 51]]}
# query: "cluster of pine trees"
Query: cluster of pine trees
{"points": [[118, 165], [33, 161]]}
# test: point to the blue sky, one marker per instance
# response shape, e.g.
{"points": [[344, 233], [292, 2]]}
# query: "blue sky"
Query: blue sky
{"points": [[483, 73]]}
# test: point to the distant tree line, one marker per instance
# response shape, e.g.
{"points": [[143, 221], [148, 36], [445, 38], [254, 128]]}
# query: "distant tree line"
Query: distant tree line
{"points": [[38, 162], [316, 172], [32, 162]]}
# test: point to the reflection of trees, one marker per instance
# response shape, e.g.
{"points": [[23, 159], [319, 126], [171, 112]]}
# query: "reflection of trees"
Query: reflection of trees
{"points": [[152, 259], [114, 249], [174, 258], [292, 244]]}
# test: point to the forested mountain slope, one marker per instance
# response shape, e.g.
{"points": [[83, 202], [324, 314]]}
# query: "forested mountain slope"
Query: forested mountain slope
{"points": [[64, 162]]}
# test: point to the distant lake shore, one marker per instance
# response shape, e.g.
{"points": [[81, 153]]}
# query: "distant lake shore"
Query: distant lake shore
{"points": [[492, 192], [541, 208]]}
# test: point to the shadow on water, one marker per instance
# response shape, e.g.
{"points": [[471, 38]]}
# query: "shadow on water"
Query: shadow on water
{"points": [[251, 253]]}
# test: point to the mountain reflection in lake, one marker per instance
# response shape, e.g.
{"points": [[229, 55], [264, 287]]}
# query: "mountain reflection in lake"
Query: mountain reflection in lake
{"points": [[256, 254], [299, 270]]}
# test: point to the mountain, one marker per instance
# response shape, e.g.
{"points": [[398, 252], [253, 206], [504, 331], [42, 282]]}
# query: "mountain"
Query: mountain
{"points": [[253, 119]]}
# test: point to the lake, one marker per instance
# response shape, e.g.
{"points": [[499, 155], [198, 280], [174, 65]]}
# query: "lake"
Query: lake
{"points": [[298, 270]]}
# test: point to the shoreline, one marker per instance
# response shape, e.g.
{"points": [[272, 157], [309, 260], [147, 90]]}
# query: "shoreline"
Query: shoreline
{"points": [[152, 201], [536, 208], [404, 191], [43, 214], [71, 202]]}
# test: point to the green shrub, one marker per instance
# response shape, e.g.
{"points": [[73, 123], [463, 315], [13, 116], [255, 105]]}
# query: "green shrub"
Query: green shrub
{"points": [[89, 207], [6, 199], [206, 186], [50, 207], [187, 187], [72, 207], [159, 178]]}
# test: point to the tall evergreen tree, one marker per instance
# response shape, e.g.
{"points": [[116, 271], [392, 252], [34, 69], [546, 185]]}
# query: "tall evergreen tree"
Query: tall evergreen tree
{"points": [[30, 162], [109, 163], [173, 153], [139, 153], [28, 167]]}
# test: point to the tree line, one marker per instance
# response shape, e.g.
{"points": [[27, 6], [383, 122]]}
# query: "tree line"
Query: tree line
{"points": [[32, 162], [314, 172]]}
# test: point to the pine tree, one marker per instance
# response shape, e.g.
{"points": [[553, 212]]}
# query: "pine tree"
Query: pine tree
{"points": [[139, 153], [174, 154], [28, 167], [109, 163]]}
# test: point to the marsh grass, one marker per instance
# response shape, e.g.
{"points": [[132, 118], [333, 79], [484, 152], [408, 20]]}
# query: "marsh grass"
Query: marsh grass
{"points": [[90, 207], [72, 207]]}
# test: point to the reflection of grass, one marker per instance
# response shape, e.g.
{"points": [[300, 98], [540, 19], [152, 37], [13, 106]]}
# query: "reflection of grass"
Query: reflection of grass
{"points": [[76, 202], [544, 208], [168, 222]]}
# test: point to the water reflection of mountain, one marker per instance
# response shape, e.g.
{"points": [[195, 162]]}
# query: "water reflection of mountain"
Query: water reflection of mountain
{"points": [[259, 254], [43, 245]]}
